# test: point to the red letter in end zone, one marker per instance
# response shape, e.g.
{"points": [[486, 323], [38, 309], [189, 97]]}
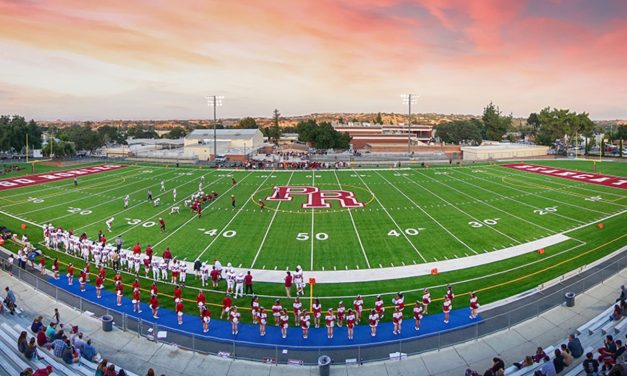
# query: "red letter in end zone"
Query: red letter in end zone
{"points": [[319, 200], [284, 193]]}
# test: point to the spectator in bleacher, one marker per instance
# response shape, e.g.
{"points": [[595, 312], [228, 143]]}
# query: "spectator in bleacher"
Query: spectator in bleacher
{"points": [[27, 372], [150, 372], [574, 345], [78, 342], [58, 347], [590, 365], [31, 350], [566, 355], [527, 362], [43, 371], [102, 367], [21, 342], [110, 371], [89, 352], [37, 324], [10, 300], [619, 370], [498, 366], [70, 356], [617, 314], [608, 350], [60, 334], [623, 297], [539, 355], [51, 330], [558, 361], [42, 339], [548, 368]]}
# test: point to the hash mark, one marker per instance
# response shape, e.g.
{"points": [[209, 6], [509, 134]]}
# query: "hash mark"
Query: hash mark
{"points": [[380, 265]]}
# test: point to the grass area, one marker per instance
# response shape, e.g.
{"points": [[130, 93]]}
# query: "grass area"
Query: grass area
{"points": [[410, 216]]}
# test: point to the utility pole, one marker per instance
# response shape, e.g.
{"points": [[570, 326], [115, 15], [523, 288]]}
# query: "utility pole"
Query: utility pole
{"points": [[409, 99], [214, 101]]}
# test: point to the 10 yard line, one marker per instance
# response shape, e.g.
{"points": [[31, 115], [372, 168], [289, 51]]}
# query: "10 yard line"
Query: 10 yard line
{"points": [[263, 241], [354, 226]]}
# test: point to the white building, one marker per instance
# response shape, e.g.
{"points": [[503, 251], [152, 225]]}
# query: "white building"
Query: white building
{"points": [[233, 143]]}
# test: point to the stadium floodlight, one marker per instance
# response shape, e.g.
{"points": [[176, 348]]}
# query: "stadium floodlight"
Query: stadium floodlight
{"points": [[409, 99], [214, 101]]}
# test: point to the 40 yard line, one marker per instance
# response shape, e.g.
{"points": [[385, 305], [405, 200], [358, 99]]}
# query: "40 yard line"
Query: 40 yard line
{"points": [[263, 240], [354, 226]]}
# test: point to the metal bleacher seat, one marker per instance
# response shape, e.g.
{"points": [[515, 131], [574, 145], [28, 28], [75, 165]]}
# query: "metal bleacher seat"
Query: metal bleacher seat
{"points": [[529, 370], [598, 321], [607, 328], [622, 325], [8, 342]]}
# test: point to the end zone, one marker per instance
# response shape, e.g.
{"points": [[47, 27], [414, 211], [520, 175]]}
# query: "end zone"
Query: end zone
{"points": [[24, 181]]}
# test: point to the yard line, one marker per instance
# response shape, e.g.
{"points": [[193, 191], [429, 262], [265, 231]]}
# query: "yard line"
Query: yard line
{"points": [[429, 215], [513, 199], [313, 183], [460, 210], [400, 230], [546, 198], [89, 194], [263, 240], [486, 203], [143, 203], [236, 214], [354, 226], [102, 175]]}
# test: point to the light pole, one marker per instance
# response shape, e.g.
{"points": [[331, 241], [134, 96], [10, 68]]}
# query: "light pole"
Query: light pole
{"points": [[409, 99], [214, 101]]}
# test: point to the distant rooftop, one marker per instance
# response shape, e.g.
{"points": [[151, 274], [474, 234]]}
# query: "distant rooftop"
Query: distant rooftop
{"points": [[222, 133]]}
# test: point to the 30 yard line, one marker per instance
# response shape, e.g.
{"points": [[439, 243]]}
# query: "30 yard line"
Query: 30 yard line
{"points": [[354, 227], [263, 240], [429, 215], [236, 214], [392, 219]]}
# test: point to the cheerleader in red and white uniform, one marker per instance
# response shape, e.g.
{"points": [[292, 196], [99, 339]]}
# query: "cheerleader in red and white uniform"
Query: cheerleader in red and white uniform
{"points": [[358, 305], [179, 312], [426, 300], [341, 311], [276, 311], [373, 319], [317, 312], [99, 281], [119, 292], [329, 320], [297, 307], [417, 314], [284, 322], [379, 306], [305, 323], [82, 279], [350, 323], [205, 315], [399, 301], [136, 303], [154, 306], [70, 275], [449, 293], [446, 308], [474, 305], [254, 308], [200, 301], [262, 320], [55, 268], [397, 319], [42, 264]]}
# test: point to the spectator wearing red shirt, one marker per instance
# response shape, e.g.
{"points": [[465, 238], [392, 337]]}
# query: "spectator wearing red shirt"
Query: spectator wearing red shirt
{"points": [[149, 252], [137, 249], [248, 283], [288, 284], [215, 276], [167, 255]]}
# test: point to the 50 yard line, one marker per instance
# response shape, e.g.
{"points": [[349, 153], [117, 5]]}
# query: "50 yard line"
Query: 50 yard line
{"points": [[263, 240]]}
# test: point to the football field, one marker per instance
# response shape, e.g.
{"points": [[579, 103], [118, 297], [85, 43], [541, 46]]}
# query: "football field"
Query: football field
{"points": [[374, 218]]}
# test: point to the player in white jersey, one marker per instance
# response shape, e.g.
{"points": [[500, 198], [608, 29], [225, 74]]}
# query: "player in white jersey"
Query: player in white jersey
{"points": [[183, 270], [174, 194], [105, 254], [130, 260], [97, 254], [164, 270], [138, 262], [204, 274], [85, 252], [162, 186], [109, 222], [200, 187], [155, 269], [126, 198], [299, 280], [124, 259], [239, 285], [230, 280]]}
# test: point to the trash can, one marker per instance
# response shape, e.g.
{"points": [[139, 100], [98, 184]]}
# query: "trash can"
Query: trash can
{"points": [[569, 297], [107, 323], [324, 364]]}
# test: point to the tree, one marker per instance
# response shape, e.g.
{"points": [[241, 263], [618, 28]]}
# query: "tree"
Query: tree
{"points": [[534, 123], [378, 119], [274, 131], [247, 123], [60, 149], [142, 132], [13, 131], [175, 133], [110, 134], [495, 123], [460, 131], [322, 136], [84, 136]]}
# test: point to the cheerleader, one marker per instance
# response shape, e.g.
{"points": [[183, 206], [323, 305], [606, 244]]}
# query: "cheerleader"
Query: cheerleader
{"points": [[136, 303], [379, 307], [317, 312], [426, 300], [276, 311], [42, 264], [374, 321], [283, 322], [474, 305], [329, 320], [358, 305], [446, 308], [234, 320], [449, 293], [99, 281], [55, 268], [200, 301], [305, 323], [297, 307], [254, 305], [70, 274], [350, 323], [119, 292], [205, 315], [262, 320], [341, 311], [179, 312], [154, 306], [397, 318], [178, 294], [417, 314], [399, 301], [82, 279]]}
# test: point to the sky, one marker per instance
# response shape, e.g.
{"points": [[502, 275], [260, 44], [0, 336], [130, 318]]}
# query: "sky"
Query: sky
{"points": [[159, 59]]}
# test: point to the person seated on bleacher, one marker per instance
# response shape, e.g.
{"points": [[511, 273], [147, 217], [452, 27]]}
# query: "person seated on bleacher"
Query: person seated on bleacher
{"points": [[51, 330], [617, 314], [37, 324], [527, 362], [43, 371], [539, 355], [590, 365], [21, 342], [78, 342], [558, 361], [566, 355], [70, 356], [58, 347], [622, 298], [27, 372], [548, 368], [42, 340], [110, 371], [609, 362], [60, 334], [31, 350], [608, 350], [574, 345], [89, 352]]}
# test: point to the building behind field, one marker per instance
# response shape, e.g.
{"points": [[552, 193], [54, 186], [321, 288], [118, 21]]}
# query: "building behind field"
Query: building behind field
{"points": [[235, 144], [503, 151]]}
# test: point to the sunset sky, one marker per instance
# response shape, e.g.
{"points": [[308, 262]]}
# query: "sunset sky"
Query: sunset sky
{"points": [[158, 59]]}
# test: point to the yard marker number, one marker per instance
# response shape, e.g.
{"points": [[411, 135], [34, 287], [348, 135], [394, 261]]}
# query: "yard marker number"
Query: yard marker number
{"points": [[551, 209], [214, 232], [305, 236], [136, 221], [489, 222], [591, 198], [35, 200], [408, 231], [80, 211]]}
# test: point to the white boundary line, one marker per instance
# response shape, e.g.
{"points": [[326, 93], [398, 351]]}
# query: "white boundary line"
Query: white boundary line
{"points": [[350, 213], [263, 240], [390, 216]]}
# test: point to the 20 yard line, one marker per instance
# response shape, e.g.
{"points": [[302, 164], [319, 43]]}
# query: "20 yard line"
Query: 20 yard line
{"points": [[263, 240], [354, 226], [392, 219], [429, 215], [235, 216]]}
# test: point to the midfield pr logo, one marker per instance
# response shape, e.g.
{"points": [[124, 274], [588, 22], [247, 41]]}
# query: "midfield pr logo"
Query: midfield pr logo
{"points": [[316, 199]]}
